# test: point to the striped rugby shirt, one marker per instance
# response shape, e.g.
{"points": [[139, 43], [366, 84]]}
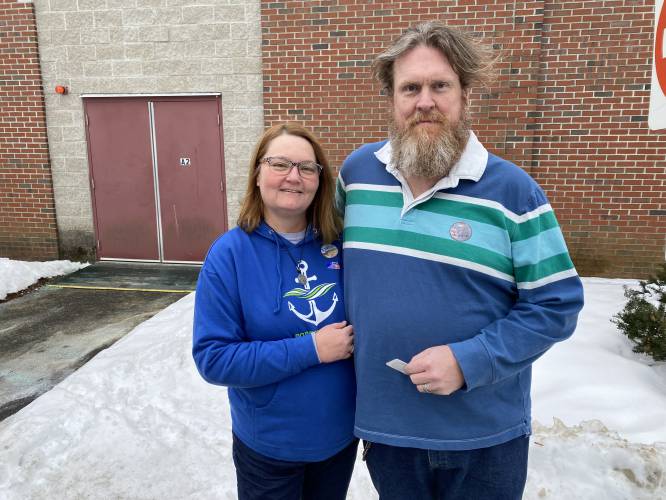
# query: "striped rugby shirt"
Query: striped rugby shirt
{"points": [[479, 263]]}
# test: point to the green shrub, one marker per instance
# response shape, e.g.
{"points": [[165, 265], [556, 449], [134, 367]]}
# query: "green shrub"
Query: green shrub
{"points": [[643, 318]]}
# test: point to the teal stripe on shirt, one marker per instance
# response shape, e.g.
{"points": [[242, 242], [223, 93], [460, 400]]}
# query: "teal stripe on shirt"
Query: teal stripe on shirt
{"points": [[547, 267], [469, 211], [377, 198], [549, 243], [454, 208], [553, 259], [532, 227], [431, 244], [433, 224]]}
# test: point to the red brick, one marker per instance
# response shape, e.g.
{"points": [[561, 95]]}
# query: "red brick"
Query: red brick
{"points": [[27, 226]]}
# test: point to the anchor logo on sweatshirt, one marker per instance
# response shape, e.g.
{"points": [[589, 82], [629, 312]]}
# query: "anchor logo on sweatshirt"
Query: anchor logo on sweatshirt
{"points": [[315, 316]]}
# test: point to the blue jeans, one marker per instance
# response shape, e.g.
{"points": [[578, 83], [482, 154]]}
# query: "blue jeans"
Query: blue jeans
{"points": [[495, 473], [263, 478]]}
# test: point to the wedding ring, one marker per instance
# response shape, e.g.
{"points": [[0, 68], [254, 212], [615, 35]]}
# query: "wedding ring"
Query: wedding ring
{"points": [[426, 388]]}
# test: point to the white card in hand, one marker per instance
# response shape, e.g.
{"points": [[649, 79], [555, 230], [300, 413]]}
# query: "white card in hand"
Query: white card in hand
{"points": [[397, 364]]}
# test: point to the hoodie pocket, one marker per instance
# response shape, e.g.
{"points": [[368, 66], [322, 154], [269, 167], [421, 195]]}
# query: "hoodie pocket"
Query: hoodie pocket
{"points": [[309, 412], [261, 397], [273, 419]]}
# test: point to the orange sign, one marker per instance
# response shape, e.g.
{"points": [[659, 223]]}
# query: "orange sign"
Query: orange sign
{"points": [[659, 56], [657, 115]]}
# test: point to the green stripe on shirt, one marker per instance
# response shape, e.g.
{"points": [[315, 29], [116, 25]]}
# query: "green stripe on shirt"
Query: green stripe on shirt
{"points": [[430, 244], [546, 267]]}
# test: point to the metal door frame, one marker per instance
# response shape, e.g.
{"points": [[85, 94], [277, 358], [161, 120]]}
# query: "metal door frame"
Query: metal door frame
{"points": [[153, 146], [156, 181]]}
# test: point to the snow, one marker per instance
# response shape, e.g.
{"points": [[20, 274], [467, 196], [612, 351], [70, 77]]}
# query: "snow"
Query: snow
{"points": [[137, 421], [595, 374], [16, 275]]}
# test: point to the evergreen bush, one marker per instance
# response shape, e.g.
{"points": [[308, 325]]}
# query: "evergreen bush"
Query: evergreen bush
{"points": [[643, 318]]}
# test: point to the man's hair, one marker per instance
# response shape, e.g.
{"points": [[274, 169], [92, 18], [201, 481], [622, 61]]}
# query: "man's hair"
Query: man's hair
{"points": [[320, 214], [472, 61]]}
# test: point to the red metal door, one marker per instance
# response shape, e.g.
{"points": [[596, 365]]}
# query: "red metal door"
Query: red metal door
{"points": [[119, 152], [190, 172]]}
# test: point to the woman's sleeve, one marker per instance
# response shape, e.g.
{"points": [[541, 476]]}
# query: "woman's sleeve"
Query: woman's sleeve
{"points": [[221, 349]]}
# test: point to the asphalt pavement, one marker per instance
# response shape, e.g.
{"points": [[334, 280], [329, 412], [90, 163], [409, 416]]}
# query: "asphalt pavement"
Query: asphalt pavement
{"points": [[51, 332]]}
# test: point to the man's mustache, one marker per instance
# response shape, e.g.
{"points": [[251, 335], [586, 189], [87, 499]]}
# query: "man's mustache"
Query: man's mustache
{"points": [[433, 117]]}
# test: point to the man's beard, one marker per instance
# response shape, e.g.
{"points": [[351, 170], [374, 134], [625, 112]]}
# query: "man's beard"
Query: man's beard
{"points": [[428, 151]]}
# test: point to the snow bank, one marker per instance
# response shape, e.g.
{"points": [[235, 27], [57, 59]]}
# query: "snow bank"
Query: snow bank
{"points": [[16, 275], [138, 421]]}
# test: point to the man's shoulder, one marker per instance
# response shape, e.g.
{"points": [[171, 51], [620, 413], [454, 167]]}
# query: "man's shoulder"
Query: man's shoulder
{"points": [[365, 152], [363, 166], [371, 146], [505, 174], [509, 185], [507, 169]]}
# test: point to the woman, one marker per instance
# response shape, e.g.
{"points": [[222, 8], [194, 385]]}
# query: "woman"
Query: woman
{"points": [[269, 324]]}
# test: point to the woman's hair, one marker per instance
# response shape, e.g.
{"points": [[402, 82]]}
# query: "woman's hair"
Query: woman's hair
{"points": [[472, 61], [320, 214]]}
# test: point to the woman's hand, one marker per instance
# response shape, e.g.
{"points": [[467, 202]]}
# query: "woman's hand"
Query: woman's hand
{"points": [[335, 342]]}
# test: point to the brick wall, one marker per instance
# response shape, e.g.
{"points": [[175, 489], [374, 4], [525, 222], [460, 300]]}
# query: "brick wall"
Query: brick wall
{"points": [[604, 168], [27, 214], [570, 106]]}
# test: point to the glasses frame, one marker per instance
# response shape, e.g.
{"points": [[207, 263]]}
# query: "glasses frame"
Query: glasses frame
{"points": [[297, 164]]}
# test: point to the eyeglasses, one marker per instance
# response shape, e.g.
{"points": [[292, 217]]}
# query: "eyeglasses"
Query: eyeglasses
{"points": [[282, 166]]}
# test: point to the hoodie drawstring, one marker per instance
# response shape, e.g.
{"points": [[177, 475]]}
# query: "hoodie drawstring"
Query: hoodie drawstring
{"points": [[278, 292]]}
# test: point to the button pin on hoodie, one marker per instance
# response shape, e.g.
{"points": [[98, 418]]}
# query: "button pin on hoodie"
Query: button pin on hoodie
{"points": [[329, 251]]}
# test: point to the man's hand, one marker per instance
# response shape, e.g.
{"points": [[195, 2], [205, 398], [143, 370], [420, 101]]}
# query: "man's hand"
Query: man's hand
{"points": [[435, 371], [335, 342]]}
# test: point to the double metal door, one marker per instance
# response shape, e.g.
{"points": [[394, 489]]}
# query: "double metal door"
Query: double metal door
{"points": [[157, 176]]}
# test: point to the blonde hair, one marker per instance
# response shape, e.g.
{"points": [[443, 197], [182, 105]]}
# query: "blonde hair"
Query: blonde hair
{"points": [[320, 214], [473, 62]]}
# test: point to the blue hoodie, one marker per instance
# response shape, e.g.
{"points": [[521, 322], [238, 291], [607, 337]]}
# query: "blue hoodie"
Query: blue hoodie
{"points": [[253, 322]]}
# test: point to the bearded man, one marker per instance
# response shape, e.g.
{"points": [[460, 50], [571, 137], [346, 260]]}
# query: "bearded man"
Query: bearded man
{"points": [[454, 263]]}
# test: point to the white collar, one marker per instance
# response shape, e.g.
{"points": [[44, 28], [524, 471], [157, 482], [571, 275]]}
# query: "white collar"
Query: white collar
{"points": [[470, 166]]}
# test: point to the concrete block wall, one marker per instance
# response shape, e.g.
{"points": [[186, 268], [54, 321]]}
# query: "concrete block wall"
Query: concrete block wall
{"points": [[144, 47], [570, 106]]}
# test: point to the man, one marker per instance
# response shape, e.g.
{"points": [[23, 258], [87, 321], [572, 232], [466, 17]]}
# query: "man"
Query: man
{"points": [[455, 263]]}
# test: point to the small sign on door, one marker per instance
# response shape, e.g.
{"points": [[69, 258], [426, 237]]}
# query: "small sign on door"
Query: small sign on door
{"points": [[185, 162]]}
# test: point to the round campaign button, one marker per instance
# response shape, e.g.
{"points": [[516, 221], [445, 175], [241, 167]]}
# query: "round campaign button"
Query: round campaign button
{"points": [[460, 231], [329, 251]]}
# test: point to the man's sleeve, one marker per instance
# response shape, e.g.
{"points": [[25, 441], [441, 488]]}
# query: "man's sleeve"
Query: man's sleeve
{"points": [[221, 349], [550, 296]]}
